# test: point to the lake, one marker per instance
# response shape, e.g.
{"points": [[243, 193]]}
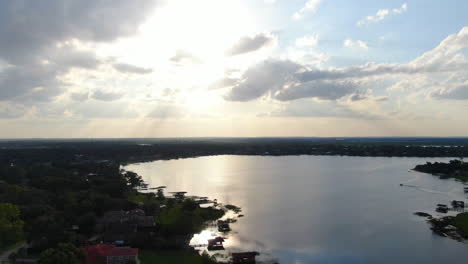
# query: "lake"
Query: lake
{"points": [[321, 209]]}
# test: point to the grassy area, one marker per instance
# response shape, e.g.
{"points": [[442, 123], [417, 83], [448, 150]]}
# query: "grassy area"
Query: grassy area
{"points": [[173, 257], [461, 222]]}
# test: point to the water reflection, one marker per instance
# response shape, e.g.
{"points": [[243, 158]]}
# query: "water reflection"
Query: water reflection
{"points": [[315, 209]]}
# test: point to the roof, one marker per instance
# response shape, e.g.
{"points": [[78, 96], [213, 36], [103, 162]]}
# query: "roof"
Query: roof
{"points": [[106, 250], [244, 254]]}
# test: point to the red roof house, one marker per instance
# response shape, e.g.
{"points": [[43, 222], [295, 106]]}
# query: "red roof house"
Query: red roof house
{"points": [[110, 254]]}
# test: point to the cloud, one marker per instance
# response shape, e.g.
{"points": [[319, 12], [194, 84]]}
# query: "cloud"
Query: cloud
{"points": [[266, 77], [8, 110], [80, 97], [184, 57], [348, 43], [307, 41], [330, 109], [310, 7], [93, 109], [250, 44], [362, 96], [458, 92], [224, 83], [41, 41], [382, 14], [106, 96], [286, 80], [324, 90], [128, 68], [164, 111], [35, 80]]}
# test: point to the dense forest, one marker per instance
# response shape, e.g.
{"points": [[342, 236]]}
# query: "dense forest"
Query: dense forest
{"points": [[58, 205]]}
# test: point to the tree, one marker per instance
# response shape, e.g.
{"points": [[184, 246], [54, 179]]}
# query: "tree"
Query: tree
{"points": [[62, 254], [11, 225], [133, 179]]}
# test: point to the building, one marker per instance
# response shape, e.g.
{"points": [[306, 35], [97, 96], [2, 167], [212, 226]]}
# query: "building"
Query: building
{"points": [[110, 254], [125, 225], [244, 257], [216, 243]]}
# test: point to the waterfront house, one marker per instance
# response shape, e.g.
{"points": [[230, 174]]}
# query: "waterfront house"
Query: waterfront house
{"points": [[110, 254], [125, 225], [458, 204], [442, 208], [244, 257], [223, 226], [216, 243]]}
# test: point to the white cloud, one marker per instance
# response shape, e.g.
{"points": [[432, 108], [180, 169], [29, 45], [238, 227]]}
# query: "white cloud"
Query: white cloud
{"points": [[286, 80], [382, 14], [307, 41], [185, 57], [310, 7], [348, 43], [306, 51]]}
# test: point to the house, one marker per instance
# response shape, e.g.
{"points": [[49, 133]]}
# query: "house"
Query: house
{"points": [[125, 225], [223, 226], [216, 243], [442, 208], [179, 195], [110, 254], [458, 204], [244, 257]]}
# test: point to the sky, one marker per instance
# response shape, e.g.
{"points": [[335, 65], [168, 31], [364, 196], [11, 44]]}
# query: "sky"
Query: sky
{"points": [[233, 68]]}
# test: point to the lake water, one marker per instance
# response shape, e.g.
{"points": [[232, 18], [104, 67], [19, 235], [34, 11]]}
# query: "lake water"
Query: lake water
{"points": [[321, 209]]}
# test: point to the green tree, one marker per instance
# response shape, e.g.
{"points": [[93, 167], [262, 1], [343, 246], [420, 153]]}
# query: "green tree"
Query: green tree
{"points": [[62, 254], [11, 225]]}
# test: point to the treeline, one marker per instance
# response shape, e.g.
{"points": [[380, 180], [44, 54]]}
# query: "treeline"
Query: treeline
{"points": [[125, 151], [453, 169]]}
